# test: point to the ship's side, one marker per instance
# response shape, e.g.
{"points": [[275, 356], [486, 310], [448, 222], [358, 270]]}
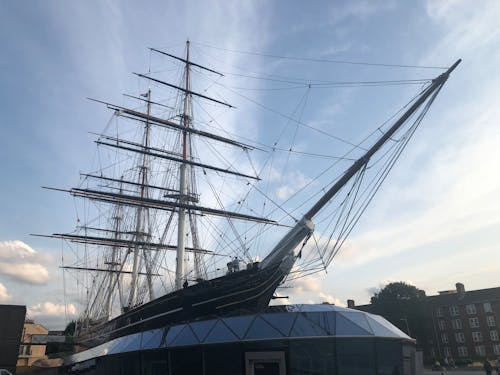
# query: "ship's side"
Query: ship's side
{"points": [[246, 290]]}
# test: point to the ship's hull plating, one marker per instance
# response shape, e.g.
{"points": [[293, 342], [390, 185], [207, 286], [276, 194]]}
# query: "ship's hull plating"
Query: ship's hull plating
{"points": [[249, 290]]}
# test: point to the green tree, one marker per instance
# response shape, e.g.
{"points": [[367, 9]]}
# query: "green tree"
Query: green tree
{"points": [[404, 305]]}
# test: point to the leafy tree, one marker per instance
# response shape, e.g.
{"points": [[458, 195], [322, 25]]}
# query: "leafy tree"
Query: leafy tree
{"points": [[404, 305]]}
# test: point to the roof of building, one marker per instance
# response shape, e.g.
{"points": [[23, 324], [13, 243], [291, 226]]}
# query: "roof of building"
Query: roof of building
{"points": [[291, 321], [469, 297]]}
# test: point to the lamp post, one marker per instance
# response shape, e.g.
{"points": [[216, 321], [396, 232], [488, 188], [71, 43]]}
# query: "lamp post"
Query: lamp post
{"points": [[407, 326]]}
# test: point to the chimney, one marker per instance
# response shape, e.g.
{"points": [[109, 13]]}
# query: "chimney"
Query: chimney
{"points": [[350, 303], [460, 290]]}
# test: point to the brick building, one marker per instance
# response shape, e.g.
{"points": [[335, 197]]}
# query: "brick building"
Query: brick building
{"points": [[29, 351], [460, 324], [465, 324]]}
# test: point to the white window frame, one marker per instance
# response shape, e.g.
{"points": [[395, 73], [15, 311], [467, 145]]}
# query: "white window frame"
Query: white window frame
{"points": [[454, 310], [459, 337], [462, 351], [490, 320], [496, 349], [470, 309], [480, 350], [477, 336], [494, 335], [487, 307], [474, 322], [442, 324], [444, 338], [456, 323]]}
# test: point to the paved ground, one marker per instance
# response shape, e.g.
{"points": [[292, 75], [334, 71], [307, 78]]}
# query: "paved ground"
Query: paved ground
{"points": [[458, 372]]}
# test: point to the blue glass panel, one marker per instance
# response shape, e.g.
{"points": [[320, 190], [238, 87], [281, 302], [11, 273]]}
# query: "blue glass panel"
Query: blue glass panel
{"points": [[281, 321], [220, 333], [260, 329], [305, 327], [133, 343], [357, 318], [346, 327], [317, 318], [173, 332], [153, 339], [330, 322], [117, 345], [239, 324], [185, 337], [383, 328], [202, 328]]}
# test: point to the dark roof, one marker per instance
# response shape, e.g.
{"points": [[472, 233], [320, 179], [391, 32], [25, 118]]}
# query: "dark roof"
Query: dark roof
{"points": [[473, 296]]}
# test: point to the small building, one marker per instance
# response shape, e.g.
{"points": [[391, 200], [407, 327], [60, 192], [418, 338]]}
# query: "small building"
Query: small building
{"points": [[30, 350], [11, 327], [295, 339]]}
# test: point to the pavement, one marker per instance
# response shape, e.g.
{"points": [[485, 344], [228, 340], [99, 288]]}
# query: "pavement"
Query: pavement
{"points": [[458, 371]]}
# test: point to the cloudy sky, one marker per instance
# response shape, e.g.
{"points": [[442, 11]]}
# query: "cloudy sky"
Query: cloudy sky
{"points": [[434, 223]]}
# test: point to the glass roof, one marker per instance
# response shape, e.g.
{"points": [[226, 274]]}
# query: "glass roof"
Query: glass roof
{"points": [[275, 323]]}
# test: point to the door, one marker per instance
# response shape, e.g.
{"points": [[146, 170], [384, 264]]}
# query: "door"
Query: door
{"points": [[265, 363]]}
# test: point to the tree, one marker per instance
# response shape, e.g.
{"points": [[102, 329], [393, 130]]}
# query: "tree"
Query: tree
{"points": [[404, 305]]}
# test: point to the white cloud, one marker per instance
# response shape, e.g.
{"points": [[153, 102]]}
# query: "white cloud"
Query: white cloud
{"points": [[20, 262], [52, 315], [4, 295]]}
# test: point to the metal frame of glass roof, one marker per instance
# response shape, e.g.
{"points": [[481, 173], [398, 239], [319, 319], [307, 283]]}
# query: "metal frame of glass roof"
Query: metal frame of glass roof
{"points": [[291, 321]]}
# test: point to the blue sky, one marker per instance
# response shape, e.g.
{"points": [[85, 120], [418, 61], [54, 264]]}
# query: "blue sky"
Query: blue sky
{"points": [[435, 221]]}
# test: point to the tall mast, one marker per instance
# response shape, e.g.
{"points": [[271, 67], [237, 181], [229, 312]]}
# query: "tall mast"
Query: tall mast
{"points": [[181, 229], [141, 213]]}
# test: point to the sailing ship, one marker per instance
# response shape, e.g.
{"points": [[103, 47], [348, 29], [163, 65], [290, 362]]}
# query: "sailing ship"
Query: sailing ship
{"points": [[149, 213]]}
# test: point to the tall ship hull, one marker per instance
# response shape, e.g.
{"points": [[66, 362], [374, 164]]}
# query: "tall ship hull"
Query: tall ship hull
{"points": [[145, 257], [247, 290]]}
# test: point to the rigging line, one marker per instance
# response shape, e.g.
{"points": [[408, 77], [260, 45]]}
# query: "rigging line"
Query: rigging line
{"points": [[345, 154], [292, 119], [319, 83], [300, 108], [332, 61], [356, 187], [410, 133]]}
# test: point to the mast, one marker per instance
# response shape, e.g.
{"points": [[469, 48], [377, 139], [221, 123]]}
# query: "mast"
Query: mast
{"points": [[283, 251], [181, 228], [141, 213]]}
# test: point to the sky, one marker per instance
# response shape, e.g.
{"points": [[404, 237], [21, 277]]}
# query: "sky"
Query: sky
{"points": [[434, 223]]}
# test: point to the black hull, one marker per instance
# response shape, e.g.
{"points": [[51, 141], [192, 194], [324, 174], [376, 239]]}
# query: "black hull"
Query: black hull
{"points": [[248, 290]]}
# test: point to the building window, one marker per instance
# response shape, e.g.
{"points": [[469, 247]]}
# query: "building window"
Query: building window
{"points": [[454, 311], [459, 337], [439, 312], [490, 319], [433, 353], [470, 309], [447, 351], [477, 336], [496, 349], [442, 325], [487, 307], [444, 338], [456, 323], [474, 322], [480, 350], [494, 335], [462, 351]]}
